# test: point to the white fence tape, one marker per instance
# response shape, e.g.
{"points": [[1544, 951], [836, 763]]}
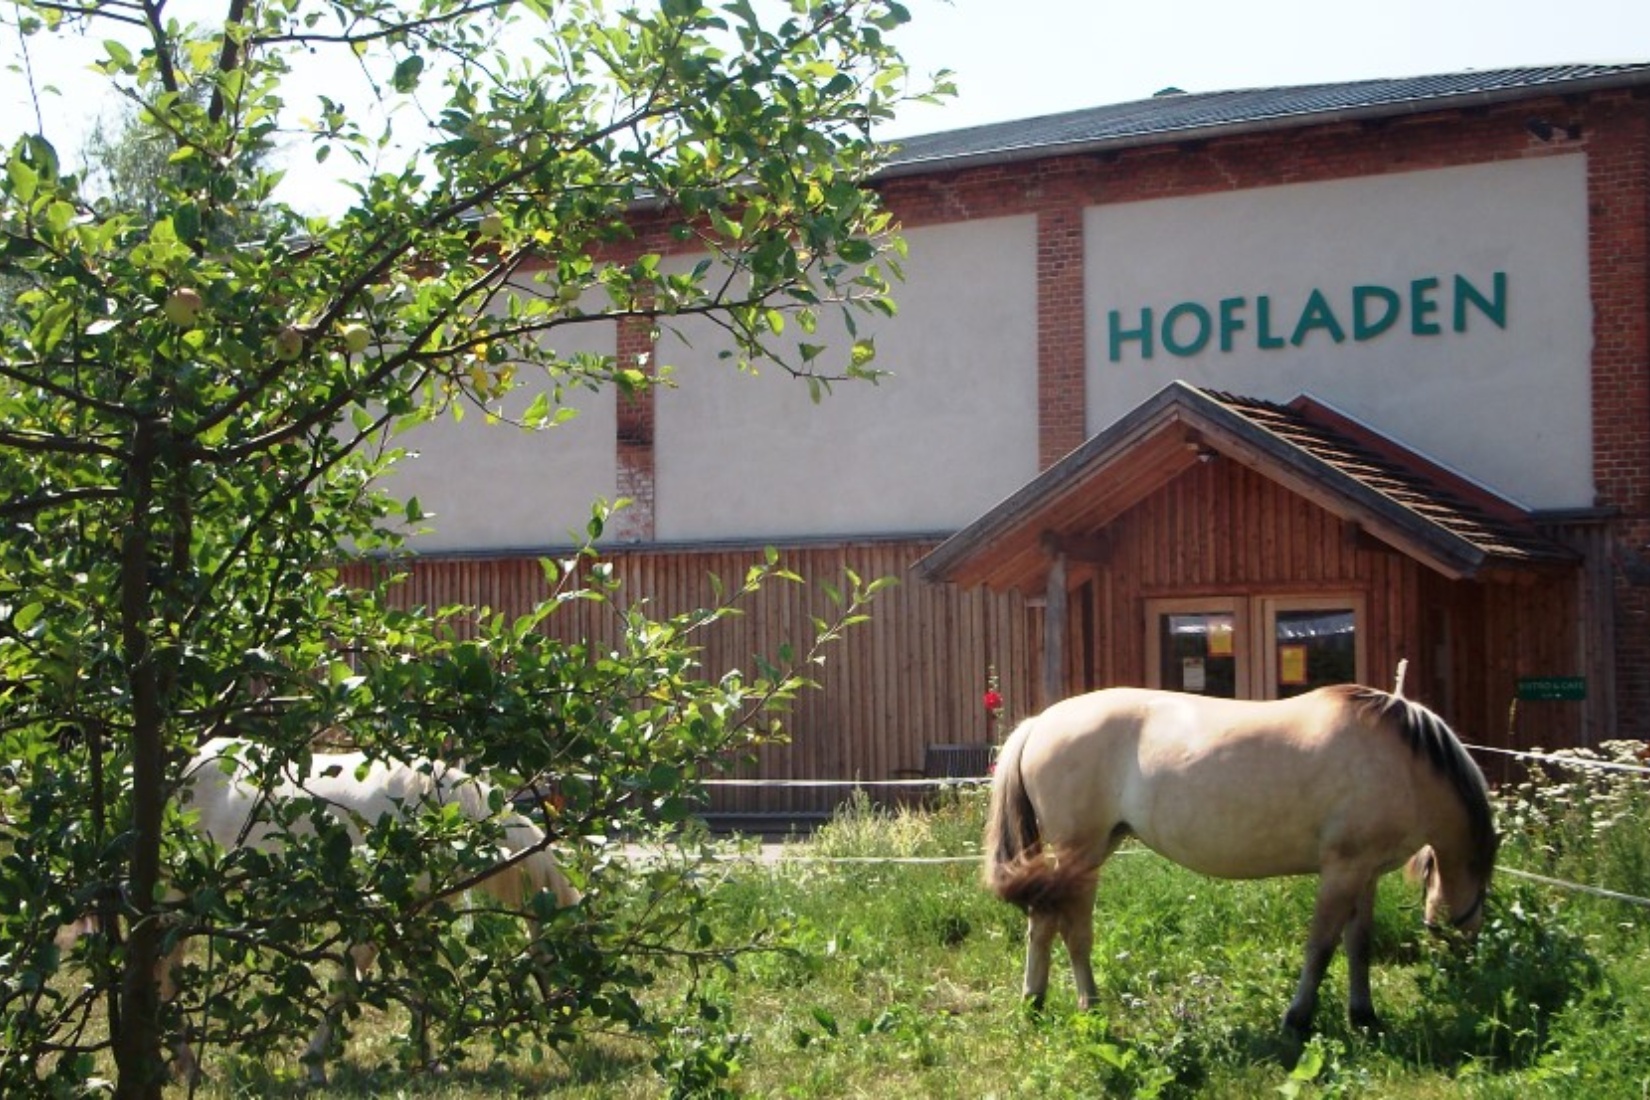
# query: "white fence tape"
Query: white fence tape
{"points": [[1581, 763], [959, 781], [1561, 884], [1566, 761], [791, 858], [1596, 891], [788, 858]]}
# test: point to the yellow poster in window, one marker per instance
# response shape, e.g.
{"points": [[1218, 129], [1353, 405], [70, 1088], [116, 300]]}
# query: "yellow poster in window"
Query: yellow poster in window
{"points": [[1291, 664], [1220, 637]]}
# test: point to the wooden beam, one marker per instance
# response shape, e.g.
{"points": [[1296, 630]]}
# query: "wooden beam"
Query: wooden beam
{"points": [[1093, 548], [1055, 615]]}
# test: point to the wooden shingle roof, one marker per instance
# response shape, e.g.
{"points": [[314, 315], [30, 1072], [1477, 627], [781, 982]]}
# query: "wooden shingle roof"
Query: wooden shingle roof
{"points": [[1493, 525], [1396, 495]]}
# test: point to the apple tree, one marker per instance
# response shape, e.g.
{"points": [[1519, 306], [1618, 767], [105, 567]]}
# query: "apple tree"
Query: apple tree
{"points": [[198, 403]]}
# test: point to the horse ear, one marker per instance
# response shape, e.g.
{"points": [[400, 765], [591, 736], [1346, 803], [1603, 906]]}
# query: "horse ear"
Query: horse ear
{"points": [[1421, 866]]}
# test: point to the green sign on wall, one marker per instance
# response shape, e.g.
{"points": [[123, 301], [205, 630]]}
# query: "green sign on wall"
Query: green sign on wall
{"points": [[1547, 688]]}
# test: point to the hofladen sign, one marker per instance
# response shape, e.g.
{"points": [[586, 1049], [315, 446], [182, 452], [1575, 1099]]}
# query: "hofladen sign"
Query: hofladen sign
{"points": [[1433, 305], [1410, 301]]}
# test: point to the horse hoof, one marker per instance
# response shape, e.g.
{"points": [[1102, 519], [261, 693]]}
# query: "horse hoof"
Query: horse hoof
{"points": [[1297, 1028], [1365, 1020]]}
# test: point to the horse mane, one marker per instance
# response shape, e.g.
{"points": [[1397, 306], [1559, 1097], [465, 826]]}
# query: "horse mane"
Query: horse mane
{"points": [[1429, 736]]}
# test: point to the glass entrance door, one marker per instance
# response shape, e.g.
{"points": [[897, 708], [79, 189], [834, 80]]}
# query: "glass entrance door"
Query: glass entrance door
{"points": [[1254, 647], [1311, 642], [1199, 647]]}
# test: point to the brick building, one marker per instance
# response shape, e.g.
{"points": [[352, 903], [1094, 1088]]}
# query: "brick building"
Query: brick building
{"points": [[1235, 392]]}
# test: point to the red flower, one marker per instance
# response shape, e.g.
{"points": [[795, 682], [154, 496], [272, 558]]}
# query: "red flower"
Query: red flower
{"points": [[993, 701]]}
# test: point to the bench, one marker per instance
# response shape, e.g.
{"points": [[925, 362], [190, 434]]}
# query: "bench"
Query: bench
{"points": [[968, 760]]}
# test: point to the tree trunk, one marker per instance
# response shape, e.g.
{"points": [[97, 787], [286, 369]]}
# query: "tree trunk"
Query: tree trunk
{"points": [[139, 1061]]}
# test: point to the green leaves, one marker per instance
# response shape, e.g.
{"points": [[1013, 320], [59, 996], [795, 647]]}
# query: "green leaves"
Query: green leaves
{"points": [[23, 178], [407, 73], [179, 497]]}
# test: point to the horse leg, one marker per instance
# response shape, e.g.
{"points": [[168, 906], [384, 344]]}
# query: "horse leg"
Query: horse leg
{"points": [[1077, 929], [1041, 927], [1337, 898], [314, 1058], [1360, 1006], [185, 1066]]}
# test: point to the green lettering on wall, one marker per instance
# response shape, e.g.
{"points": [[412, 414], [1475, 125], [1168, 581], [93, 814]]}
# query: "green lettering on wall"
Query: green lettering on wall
{"points": [[1493, 307], [1317, 315], [1422, 306], [1189, 328], [1199, 341], [1119, 334], [1363, 326], [1230, 322], [1263, 321]]}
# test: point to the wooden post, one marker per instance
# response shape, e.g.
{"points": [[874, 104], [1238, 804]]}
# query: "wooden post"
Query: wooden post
{"points": [[1054, 631]]}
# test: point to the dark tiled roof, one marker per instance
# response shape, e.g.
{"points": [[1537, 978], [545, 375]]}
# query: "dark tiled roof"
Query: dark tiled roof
{"points": [[1185, 116], [1437, 497]]}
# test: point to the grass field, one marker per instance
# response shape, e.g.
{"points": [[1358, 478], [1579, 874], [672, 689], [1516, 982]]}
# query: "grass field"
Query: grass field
{"points": [[897, 980]]}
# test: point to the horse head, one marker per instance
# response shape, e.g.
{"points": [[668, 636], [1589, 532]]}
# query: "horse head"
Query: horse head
{"points": [[1454, 895]]}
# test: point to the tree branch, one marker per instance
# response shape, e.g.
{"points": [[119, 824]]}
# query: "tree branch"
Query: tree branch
{"points": [[40, 443], [16, 509]]}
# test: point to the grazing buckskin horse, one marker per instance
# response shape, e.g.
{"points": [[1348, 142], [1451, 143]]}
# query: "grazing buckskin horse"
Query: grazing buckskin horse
{"points": [[1344, 782], [233, 811]]}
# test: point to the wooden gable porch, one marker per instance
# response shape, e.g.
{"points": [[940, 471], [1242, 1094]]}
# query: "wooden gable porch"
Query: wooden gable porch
{"points": [[1200, 499]]}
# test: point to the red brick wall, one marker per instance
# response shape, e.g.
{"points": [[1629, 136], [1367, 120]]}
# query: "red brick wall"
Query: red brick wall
{"points": [[1618, 139], [635, 431], [1061, 332], [637, 416]]}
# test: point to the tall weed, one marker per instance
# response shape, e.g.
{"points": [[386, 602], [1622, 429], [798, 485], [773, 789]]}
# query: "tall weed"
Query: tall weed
{"points": [[1588, 825]]}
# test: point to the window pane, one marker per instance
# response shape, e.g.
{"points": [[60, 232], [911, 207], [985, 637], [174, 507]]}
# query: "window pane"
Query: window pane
{"points": [[1315, 648], [1198, 653]]}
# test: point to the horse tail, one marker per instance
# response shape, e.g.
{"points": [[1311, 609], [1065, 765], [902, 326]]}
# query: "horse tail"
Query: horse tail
{"points": [[1017, 869], [1011, 829]]}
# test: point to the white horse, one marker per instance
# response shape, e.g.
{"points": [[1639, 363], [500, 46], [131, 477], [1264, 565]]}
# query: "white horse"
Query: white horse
{"points": [[233, 810], [1345, 782]]}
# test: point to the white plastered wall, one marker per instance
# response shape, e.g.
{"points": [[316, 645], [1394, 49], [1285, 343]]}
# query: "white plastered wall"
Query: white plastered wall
{"points": [[1510, 408], [950, 432], [496, 486]]}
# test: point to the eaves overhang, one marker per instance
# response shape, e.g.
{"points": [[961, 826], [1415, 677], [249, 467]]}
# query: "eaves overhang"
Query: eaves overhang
{"points": [[1389, 493]]}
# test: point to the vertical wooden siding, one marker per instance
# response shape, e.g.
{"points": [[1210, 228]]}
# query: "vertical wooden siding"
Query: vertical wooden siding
{"points": [[1222, 529], [912, 676]]}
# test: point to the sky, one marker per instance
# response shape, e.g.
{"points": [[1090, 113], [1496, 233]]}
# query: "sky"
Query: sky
{"points": [[1024, 58]]}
